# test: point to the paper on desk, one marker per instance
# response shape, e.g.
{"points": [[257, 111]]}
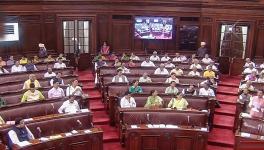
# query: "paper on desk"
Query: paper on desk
{"points": [[29, 119], [74, 131], [87, 131], [204, 110], [134, 126], [243, 134], [43, 139], [24, 143], [68, 134], [162, 125], [150, 126], [55, 136], [156, 125], [203, 129], [84, 110], [10, 122], [172, 126], [245, 115]]}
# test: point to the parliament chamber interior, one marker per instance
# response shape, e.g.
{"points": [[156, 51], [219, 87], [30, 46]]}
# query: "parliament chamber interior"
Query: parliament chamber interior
{"points": [[131, 75]]}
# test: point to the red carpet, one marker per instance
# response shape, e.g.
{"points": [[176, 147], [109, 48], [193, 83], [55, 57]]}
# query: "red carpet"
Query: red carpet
{"points": [[220, 138]]}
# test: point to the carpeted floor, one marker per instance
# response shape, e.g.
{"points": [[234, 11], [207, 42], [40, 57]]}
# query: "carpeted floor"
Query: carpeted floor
{"points": [[220, 138]]}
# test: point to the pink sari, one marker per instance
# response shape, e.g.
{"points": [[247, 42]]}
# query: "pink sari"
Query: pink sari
{"points": [[257, 105], [105, 49]]}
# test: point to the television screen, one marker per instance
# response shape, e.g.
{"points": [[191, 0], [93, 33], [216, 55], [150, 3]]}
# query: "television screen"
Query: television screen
{"points": [[153, 27]]}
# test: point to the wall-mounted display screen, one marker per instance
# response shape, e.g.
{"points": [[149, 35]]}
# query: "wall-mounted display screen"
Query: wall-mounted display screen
{"points": [[153, 27]]}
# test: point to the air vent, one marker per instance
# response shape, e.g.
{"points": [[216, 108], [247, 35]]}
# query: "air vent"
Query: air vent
{"points": [[122, 17]]}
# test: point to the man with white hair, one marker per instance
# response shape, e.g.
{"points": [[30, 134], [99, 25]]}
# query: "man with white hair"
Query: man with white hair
{"points": [[42, 51], [161, 70], [154, 57], [249, 62], [202, 50]]}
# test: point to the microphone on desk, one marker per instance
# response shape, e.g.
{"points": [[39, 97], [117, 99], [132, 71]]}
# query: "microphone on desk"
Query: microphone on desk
{"points": [[39, 132], [79, 123], [188, 118], [52, 110], [148, 119]]}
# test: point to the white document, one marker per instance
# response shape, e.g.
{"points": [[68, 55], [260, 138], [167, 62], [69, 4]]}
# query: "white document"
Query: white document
{"points": [[243, 134], [24, 143]]}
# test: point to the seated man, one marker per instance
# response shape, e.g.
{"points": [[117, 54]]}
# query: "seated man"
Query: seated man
{"points": [[172, 78], [124, 57], [212, 64], [177, 71], [3, 70], [17, 67], [23, 60], [59, 65], [36, 59], [190, 90], [261, 66], [252, 77], [19, 133], [49, 73], [256, 105], [57, 78], [135, 88], [165, 57], [127, 101], [61, 56], [250, 69], [161, 70], [134, 57], [245, 96], [32, 79], [168, 64], [100, 63], [120, 77], [248, 62], [154, 57], [147, 63], [206, 91], [179, 58], [145, 78], [56, 91], [69, 106], [194, 72], [10, 61], [49, 59], [154, 100], [124, 68], [172, 89], [248, 85], [30, 66], [207, 59], [178, 102], [74, 89], [196, 64], [209, 73], [32, 94], [2, 62]]}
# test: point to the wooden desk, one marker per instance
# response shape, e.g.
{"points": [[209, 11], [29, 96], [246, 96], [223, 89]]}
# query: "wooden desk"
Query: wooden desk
{"points": [[253, 142], [181, 138], [79, 141]]}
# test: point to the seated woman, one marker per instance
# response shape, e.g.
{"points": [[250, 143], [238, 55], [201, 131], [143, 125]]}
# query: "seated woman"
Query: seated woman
{"points": [[32, 94], [49, 59], [117, 63], [112, 56], [135, 88], [3, 70], [190, 90], [134, 57], [19, 133], [172, 78], [127, 101], [131, 63], [69, 106], [100, 63], [120, 77], [35, 59], [261, 78], [59, 65], [172, 88], [145, 78], [252, 77], [256, 105], [23, 60], [154, 101], [30, 66], [178, 102], [125, 57], [105, 49]]}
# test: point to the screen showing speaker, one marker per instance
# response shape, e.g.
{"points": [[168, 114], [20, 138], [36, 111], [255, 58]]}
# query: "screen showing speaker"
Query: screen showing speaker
{"points": [[153, 27]]}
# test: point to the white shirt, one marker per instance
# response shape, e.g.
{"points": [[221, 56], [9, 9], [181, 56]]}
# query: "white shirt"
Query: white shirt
{"points": [[59, 66], [178, 72], [124, 103], [159, 71], [154, 58], [248, 70], [55, 93], [134, 58], [52, 80], [4, 71], [205, 92], [206, 60], [179, 59], [213, 67], [169, 80], [68, 107], [262, 66], [170, 65], [165, 58], [120, 79], [71, 89], [147, 64], [247, 64], [13, 136], [142, 79], [192, 73], [49, 75], [198, 66], [20, 68], [244, 86], [124, 70], [261, 80]]}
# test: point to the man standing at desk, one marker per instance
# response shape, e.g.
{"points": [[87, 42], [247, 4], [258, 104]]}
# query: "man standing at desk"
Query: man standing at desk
{"points": [[202, 50], [19, 133]]}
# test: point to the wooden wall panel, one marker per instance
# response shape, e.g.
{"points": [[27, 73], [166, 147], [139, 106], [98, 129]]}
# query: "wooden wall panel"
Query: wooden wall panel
{"points": [[49, 31], [103, 29], [259, 51], [121, 35]]}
